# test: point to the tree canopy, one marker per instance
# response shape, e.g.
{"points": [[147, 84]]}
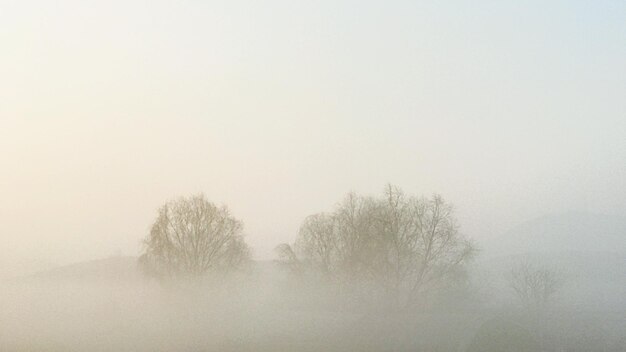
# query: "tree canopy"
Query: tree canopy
{"points": [[192, 237], [407, 245]]}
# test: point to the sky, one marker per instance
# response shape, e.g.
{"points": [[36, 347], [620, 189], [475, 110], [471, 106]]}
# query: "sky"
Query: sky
{"points": [[108, 109]]}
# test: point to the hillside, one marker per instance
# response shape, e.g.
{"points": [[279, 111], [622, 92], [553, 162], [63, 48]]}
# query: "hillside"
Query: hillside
{"points": [[587, 250], [567, 232], [111, 269]]}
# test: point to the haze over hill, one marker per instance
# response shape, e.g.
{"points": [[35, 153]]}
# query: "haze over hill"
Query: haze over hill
{"points": [[587, 250], [565, 232]]}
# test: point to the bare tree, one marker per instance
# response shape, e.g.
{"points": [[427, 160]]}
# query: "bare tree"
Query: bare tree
{"points": [[407, 245], [192, 237], [535, 286]]}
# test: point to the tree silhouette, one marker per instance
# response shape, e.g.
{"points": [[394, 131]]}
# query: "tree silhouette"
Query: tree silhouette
{"points": [[406, 245], [192, 237]]}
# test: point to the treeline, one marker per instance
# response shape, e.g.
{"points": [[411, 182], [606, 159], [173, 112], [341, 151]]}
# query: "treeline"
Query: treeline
{"points": [[400, 249], [398, 260]]}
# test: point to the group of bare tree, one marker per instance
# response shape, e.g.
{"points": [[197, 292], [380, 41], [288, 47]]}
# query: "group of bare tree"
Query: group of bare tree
{"points": [[407, 246], [394, 252], [534, 285], [395, 249]]}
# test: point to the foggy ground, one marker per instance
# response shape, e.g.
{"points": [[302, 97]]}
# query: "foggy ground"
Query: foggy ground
{"points": [[108, 305]]}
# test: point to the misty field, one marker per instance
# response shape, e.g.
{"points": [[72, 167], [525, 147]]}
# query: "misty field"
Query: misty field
{"points": [[110, 305], [377, 273], [312, 176]]}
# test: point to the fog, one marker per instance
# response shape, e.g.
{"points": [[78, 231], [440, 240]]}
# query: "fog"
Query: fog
{"points": [[296, 124], [84, 308], [504, 296]]}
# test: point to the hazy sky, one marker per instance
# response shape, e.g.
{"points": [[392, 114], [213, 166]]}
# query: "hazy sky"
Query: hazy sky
{"points": [[509, 109]]}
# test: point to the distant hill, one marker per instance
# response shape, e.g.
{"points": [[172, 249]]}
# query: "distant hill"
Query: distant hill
{"points": [[123, 269], [568, 232], [112, 269], [588, 250]]}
